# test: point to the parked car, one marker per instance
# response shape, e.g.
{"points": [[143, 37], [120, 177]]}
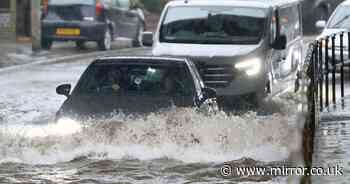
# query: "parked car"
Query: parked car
{"points": [[91, 20], [338, 22], [135, 85], [240, 47], [314, 10]]}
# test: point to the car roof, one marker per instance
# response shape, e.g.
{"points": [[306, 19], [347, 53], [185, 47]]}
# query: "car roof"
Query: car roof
{"points": [[141, 59], [243, 3]]}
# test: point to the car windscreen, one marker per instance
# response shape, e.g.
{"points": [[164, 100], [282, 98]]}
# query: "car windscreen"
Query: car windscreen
{"points": [[66, 2], [341, 18], [213, 25], [140, 79]]}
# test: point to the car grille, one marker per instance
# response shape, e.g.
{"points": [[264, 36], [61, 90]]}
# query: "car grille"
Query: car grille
{"points": [[217, 76]]}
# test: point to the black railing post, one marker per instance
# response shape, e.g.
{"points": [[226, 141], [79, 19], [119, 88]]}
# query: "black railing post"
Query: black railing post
{"points": [[342, 67], [321, 65], [316, 69], [313, 76], [333, 71], [349, 45], [327, 71]]}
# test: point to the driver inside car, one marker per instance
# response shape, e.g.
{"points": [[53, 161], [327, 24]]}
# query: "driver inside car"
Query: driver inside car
{"points": [[113, 80]]}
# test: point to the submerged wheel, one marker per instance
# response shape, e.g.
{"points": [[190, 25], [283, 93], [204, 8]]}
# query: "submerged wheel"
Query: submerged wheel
{"points": [[106, 42], [261, 94]]}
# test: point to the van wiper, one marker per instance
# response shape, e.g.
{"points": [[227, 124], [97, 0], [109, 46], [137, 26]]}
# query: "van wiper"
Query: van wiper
{"points": [[340, 21]]}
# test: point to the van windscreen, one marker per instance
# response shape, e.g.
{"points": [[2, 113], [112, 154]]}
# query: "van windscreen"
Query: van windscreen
{"points": [[213, 25]]}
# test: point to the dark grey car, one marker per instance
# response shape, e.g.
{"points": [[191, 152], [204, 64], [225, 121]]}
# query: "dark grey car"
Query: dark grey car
{"points": [[91, 20], [135, 85]]}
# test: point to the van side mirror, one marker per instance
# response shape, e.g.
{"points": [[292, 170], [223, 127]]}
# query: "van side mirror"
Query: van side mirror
{"points": [[147, 39], [280, 43], [209, 93], [321, 24], [64, 89]]}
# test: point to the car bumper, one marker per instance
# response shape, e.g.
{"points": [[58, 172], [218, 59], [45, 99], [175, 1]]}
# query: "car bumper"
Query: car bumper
{"points": [[89, 31]]}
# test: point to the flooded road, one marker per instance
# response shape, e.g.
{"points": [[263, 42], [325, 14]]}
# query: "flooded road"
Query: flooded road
{"points": [[179, 146]]}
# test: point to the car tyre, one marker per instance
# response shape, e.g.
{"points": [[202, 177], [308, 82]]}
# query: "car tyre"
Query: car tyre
{"points": [[260, 95], [80, 45], [106, 42], [46, 44], [137, 42]]}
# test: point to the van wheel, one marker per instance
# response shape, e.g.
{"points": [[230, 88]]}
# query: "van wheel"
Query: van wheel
{"points": [[46, 44], [297, 82], [106, 42], [261, 94], [137, 42], [80, 45]]}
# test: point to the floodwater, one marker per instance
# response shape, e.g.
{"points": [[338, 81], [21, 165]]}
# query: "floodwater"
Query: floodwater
{"points": [[179, 146]]}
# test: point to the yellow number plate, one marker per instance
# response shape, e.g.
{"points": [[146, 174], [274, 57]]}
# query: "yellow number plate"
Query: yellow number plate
{"points": [[67, 32]]}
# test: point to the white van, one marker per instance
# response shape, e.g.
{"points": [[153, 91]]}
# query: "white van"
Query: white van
{"points": [[240, 47]]}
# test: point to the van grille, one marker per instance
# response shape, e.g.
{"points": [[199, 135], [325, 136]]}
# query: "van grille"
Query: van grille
{"points": [[217, 76]]}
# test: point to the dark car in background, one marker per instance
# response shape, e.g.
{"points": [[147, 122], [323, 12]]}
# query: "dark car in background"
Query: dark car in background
{"points": [[91, 20], [135, 85]]}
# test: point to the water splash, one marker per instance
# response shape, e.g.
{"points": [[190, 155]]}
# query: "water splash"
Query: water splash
{"points": [[181, 134]]}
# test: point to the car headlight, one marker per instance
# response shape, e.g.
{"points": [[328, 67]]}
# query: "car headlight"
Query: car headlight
{"points": [[251, 66]]}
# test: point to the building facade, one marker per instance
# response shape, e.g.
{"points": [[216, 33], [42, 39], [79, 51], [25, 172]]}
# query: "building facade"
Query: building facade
{"points": [[8, 19]]}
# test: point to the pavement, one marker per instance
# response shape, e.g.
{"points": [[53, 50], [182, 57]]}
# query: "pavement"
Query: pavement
{"points": [[332, 143], [20, 53]]}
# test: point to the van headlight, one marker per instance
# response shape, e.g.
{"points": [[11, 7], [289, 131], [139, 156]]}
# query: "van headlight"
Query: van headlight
{"points": [[250, 67]]}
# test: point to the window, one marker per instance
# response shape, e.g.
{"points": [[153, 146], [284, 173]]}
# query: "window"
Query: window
{"points": [[125, 4], [137, 79], [290, 22], [69, 2], [273, 28], [115, 3], [4, 5], [213, 25], [341, 18]]}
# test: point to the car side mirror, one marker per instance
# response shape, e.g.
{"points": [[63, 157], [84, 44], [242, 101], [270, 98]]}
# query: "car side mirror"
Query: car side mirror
{"points": [[147, 39], [64, 89], [280, 43], [321, 24], [209, 93]]}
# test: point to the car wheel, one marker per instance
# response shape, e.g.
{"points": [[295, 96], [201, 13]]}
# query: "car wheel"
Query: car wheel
{"points": [[46, 44], [80, 45], [261, 94], [106, 43], [137, 42]]}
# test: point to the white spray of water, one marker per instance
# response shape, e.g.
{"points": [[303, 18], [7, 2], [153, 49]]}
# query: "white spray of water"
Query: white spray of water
{"points": [[182, 134]]}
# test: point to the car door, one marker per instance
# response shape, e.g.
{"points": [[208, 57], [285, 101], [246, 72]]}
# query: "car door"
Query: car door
{"points": [[290, 25], [116, 14], [130, 19]]}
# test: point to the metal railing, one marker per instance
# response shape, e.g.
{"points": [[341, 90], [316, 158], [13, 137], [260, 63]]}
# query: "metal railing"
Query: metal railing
{"points": [[327, 59]]}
